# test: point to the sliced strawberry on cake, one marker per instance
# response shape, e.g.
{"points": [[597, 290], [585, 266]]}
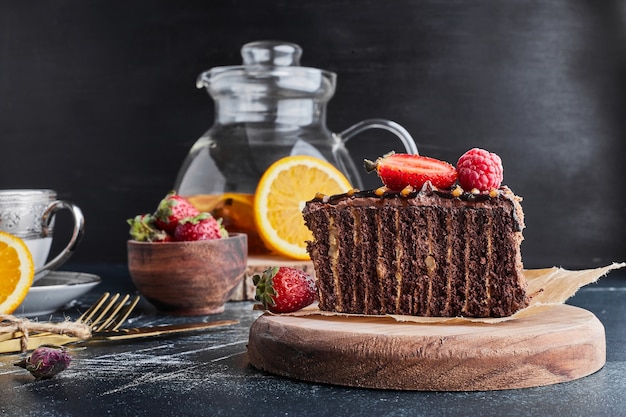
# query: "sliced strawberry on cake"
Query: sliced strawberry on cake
{"points": [[399, 170]]}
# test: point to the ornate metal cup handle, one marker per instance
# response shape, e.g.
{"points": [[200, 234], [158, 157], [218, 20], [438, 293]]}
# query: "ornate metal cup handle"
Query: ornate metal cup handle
{"points": [[77, 234]]}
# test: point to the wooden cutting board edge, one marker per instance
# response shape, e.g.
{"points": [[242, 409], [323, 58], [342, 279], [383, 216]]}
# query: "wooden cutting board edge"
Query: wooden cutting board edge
{"points": [[562, 345]]}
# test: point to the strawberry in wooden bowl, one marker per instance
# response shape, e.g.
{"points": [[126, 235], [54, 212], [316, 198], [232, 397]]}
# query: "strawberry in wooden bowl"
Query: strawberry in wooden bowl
{"points": [[183, 261]]}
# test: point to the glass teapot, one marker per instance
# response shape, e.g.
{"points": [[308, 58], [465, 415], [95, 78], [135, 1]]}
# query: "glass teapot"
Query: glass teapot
{"points": [[268, 108]]}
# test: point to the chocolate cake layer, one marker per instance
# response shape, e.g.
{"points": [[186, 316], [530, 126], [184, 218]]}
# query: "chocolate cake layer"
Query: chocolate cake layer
{"points": [[428, 253]]}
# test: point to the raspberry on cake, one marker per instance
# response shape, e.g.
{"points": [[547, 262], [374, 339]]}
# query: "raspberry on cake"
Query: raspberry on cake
{"points": [[427, 252], [479, 169]]}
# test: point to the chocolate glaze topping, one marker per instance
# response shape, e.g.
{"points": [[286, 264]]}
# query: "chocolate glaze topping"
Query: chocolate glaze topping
{"points": [[383, 193]]}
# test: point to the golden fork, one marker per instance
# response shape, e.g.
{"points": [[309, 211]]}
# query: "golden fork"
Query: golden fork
{"points": [[105, 320], [103, 316], [108, 316]]}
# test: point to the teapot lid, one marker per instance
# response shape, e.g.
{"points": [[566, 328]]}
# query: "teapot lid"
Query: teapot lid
{"points": [[270, 68], [271, 53]]}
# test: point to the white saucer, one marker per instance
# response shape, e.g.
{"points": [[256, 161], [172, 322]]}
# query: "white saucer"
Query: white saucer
{"points": [[54, 290]]}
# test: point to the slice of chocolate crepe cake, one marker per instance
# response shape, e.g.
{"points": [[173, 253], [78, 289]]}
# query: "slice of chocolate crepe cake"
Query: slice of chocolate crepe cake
{"points": [[430, 252]]}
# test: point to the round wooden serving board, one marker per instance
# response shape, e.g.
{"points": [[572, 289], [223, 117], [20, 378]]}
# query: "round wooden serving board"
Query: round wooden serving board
{"points": [[561, 344]]}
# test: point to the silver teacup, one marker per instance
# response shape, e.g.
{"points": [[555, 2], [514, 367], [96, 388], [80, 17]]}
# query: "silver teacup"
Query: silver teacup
{"points": [[29, 214]]}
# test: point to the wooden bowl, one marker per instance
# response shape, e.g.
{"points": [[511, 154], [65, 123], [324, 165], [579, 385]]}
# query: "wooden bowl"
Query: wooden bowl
{"points": [[188, 278]]}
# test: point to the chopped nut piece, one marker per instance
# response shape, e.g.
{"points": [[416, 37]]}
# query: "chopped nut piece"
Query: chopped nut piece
{"points": [[406, 191], [380, 191]]}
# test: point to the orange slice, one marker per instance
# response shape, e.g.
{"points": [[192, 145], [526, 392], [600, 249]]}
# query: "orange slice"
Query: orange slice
{"points": [[16, 272], [280, 197]]}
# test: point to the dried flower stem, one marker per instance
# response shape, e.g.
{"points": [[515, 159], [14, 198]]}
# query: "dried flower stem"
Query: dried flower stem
{"points": [[13, 324]]}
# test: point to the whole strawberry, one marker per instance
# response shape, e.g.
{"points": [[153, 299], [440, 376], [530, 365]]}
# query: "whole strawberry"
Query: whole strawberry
{"points": [[143, 229], [284, 289], [171, 210], [397, 171], [479, 169], [200, 227]]}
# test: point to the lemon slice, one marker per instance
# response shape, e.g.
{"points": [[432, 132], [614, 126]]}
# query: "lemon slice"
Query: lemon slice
{"points": [[281, 195], [16, 272]]}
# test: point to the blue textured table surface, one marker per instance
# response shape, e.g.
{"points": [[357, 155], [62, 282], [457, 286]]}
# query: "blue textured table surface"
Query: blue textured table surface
{"points": [[208, 374]]}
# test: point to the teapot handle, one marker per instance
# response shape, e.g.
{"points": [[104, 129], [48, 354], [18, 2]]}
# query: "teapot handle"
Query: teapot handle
{"points": [[393, 127]]}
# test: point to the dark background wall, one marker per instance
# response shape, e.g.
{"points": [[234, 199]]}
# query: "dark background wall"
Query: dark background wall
{"points": [[98, 99]]}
